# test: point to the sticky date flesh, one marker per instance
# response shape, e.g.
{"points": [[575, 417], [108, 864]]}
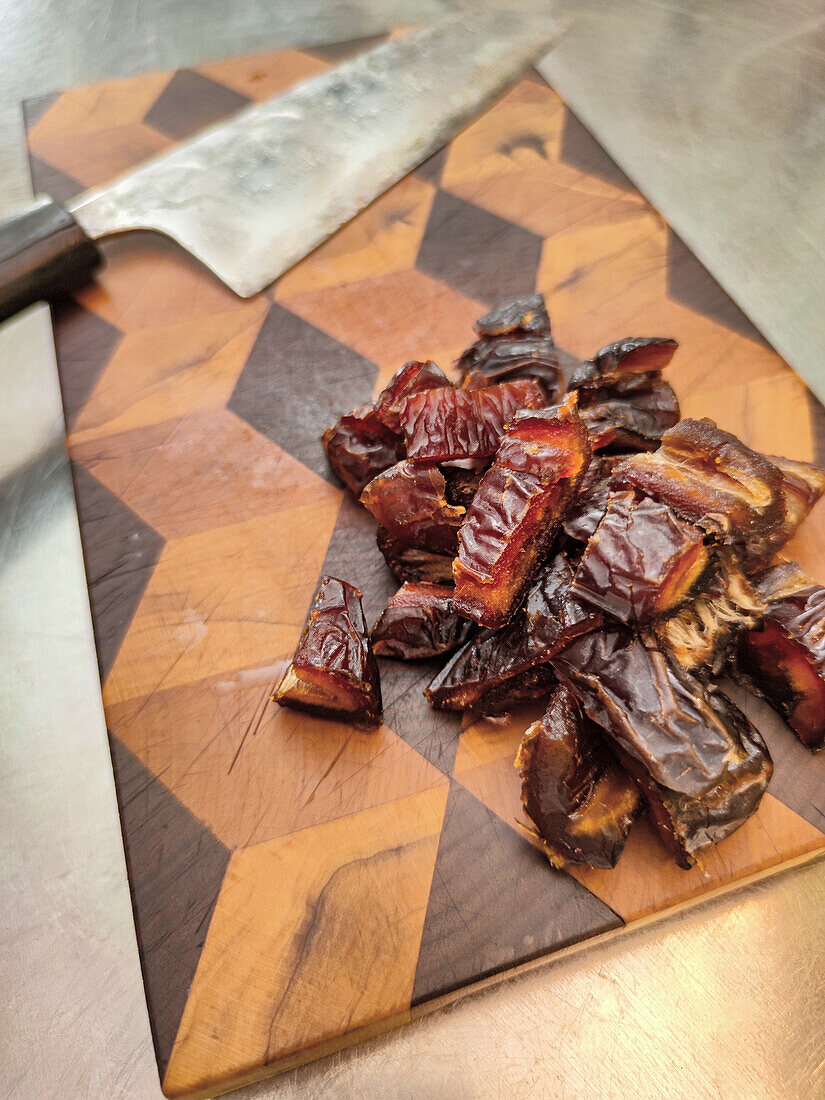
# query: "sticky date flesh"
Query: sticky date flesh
{"points": [[578, 800], [333, 672], [359, 447], [412, 378], [517, 511], [419, 621], [784, 658], [410, 501], [642, 562]]}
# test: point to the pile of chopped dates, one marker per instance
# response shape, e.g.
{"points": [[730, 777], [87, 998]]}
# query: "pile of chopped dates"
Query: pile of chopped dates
{"points": [[566, 536]]}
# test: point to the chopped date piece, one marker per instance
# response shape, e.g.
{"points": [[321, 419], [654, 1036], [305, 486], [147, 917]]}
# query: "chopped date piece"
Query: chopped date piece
{"points": [[643, 561], [585, 512], [523, 315], [412, 378], [516, 514], [579, 801], [499, 668], [654, 711], [514, 342], [419, 621], [333, 672], [633, 355], [701, 634], [359, 447], [689, 825], [784, 658], [447, 423], [710, 478], [802, 486], [410, 502], [411, 563], [631, 415]]}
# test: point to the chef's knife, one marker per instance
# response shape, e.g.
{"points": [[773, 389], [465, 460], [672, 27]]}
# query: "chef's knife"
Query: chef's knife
{"points": [[251, 196]]}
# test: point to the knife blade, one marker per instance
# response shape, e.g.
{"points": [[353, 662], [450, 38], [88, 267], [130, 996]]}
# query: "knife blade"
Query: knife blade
{"points": [[251, 196]]}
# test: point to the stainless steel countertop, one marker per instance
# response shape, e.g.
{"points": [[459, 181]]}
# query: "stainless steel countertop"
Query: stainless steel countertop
{"points": [[724, 1000]]}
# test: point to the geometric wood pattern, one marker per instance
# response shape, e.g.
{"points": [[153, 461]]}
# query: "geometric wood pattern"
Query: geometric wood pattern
{"points": [[299, 884]]}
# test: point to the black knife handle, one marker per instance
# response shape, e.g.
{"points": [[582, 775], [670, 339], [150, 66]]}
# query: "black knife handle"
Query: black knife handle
{"points": [[43, 254]]}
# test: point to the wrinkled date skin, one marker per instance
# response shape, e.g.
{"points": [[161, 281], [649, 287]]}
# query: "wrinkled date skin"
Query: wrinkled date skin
{"points": [[802, 486], [412, 378], [411, 563], [617, 361], [630, 415], [410, 501], [701, 634], [333, 672], [784, 658], [448, 423], [688, 826], [580, 802], [419, 621], [498, 669], [642, 562], [517, 511], [359, 447], [710, 478], [585, 512], [514, 342], [654, 711]]}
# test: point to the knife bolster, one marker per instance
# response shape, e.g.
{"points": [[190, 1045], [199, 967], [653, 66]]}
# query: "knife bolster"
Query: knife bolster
{"points": [[44, 254]]}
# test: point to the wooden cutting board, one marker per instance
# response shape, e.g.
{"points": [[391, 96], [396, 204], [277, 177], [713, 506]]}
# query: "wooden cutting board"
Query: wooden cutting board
{"points": [[299, 884]]}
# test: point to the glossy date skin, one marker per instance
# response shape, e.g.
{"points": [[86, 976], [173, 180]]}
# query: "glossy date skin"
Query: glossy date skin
{"points": [[701, 634], [642, 562], [411, 563], [652, 710], [585, 512], [514, 342], [333, 672], [410, 501], [783, 658], [359, 447], [517, 512], [630, 415], [447, 423], [710, 478], [413, 377], [618, 361], [578, 800], [689, 826], [802, 486], [419, 621], [500, 668]]}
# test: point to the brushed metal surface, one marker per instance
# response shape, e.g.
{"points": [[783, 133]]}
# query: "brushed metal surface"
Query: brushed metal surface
{"points": [[717, 112], [252, 196], [726, 1000]]}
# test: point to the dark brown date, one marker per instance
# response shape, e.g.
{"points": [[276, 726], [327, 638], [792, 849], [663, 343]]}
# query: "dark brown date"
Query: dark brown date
{"points": [[411, 563], [633, 355], [517, 512], [359, 447], [710, 478], [689, 826], [783, 659], [497, 668], [525, 316], [419, 621], [652, 709], [643, 561], [585, 512], [447, 423], [579, 801], [630, 415], [410, 502], [802, 486], [514, 342], [462, 484], [700, 635], [412, 378], [333, 672]]}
